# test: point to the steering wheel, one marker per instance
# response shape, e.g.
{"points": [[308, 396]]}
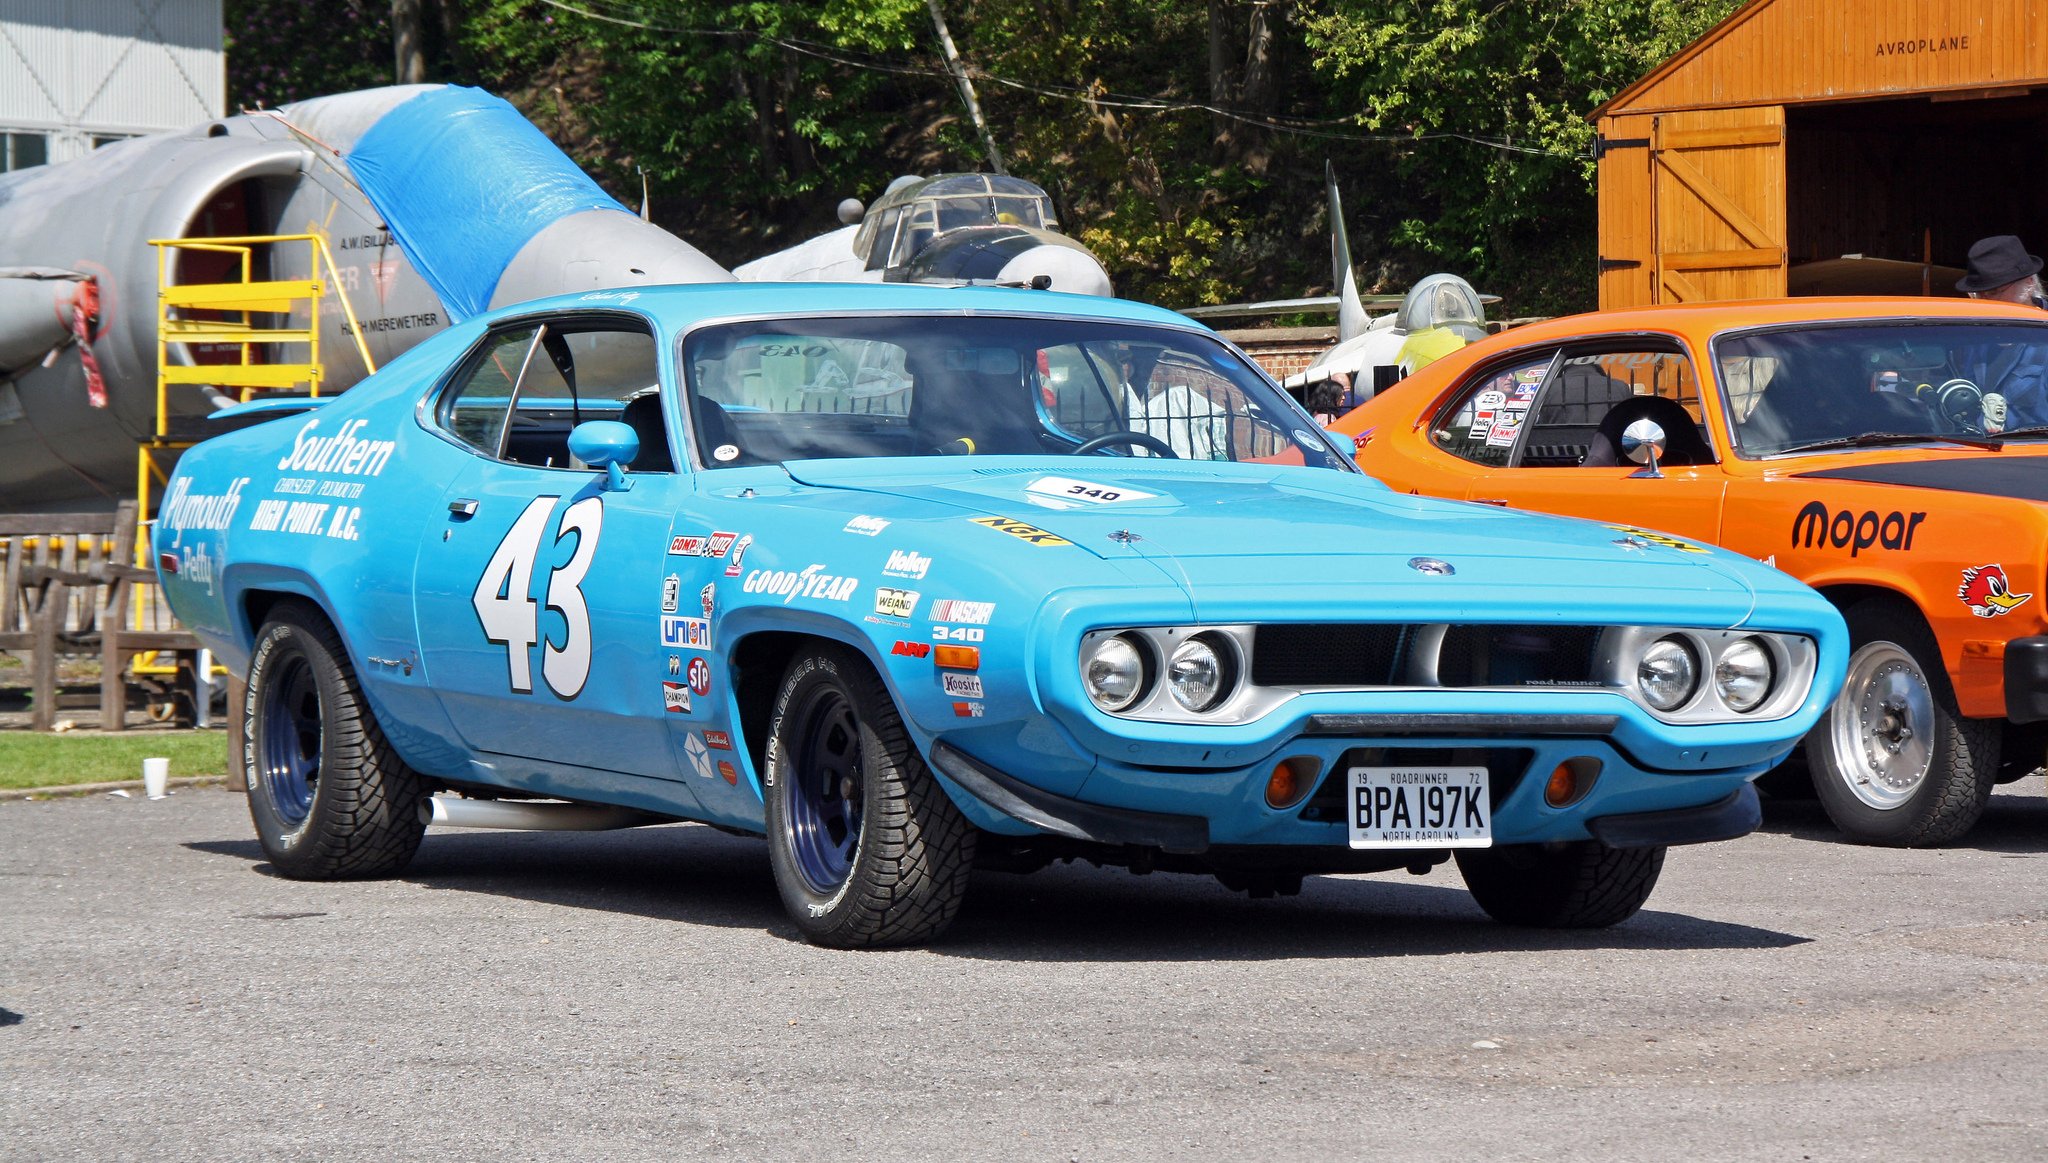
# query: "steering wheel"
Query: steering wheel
{"points": [[1137, 439], [1961, 404]]}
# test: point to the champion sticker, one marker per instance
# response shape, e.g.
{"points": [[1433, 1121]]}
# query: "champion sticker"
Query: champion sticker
{"points": [[962, 686]]}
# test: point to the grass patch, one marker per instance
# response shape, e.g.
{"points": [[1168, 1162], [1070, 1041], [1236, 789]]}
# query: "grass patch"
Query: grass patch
{"points": [[29, 759]]}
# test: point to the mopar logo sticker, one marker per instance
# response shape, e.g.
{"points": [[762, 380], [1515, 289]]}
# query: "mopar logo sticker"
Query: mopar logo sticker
{"points": [[1816, 528]]}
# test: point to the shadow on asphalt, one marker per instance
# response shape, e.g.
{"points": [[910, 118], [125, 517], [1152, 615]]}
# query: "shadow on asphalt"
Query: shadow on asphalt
{"points": [[2015, 822], [696, 875]]}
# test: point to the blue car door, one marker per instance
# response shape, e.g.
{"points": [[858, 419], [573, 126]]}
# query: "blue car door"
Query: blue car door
{"points": [[538, 602]]}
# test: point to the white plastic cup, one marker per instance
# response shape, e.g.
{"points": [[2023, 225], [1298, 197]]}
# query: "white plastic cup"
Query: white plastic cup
{"points": [[156, 777]]}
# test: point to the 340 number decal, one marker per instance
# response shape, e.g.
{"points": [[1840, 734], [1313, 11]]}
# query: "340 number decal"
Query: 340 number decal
{"points": [[504, 603]]}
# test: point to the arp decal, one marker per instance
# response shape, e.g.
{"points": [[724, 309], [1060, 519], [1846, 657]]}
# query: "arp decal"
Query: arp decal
{"points": [[1064, 489], [904, 563], [685, 633], [504, 603], [1988, 592], [891, 603], [911, 649], [961, 686], [700, 677], [866, 526], [698, 755], [1030, 534], [954, 610], [1817, 528], [1656, 538], [719, 740], [675, 698]]}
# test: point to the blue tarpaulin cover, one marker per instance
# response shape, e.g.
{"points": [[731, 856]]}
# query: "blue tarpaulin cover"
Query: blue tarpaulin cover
{"points": [[463, 181]]}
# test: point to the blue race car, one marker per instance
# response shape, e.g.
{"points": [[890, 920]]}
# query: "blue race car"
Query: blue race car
{"points": [[914, 579]]}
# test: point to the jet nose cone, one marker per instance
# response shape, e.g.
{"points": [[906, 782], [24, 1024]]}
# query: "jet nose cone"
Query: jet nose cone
{"points": [[1070, 268]]}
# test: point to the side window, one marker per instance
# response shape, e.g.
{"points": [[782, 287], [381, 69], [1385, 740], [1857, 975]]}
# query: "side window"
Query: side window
{"points": [[533, 384], [1484, 420]]}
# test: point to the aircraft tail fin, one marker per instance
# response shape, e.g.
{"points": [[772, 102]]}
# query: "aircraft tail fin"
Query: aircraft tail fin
{"points": [[1351, 318]]}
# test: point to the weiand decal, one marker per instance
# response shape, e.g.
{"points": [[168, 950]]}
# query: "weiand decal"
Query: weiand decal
{"points": [[895, 603], [789, 585], [961, 686], [1062, 488], [954, 610], [505, 607], [185, 510], [1815, 527], [685, 633], [958, 633], [866, 526], [905, 563], [341, 453]]}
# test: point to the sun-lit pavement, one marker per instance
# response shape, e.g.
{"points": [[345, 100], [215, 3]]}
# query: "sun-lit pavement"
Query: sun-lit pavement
{"points": [[638, 995]]}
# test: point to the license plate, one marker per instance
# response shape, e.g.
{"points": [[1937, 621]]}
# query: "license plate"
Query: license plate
{"points": [[1420, 807]]}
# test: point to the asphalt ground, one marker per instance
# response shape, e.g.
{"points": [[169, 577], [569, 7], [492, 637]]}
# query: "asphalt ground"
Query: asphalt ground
{"points": [[639, 995]]}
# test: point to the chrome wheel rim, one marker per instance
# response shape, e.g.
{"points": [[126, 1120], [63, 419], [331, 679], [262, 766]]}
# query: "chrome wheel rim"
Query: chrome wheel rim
{"points": [[1882, 728]]}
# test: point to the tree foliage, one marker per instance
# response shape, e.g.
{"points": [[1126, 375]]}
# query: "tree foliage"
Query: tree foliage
{"points": [[1182, 140]]}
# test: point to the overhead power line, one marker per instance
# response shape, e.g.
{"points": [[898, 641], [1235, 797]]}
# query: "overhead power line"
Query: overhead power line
{"points": [[1321, 128]]}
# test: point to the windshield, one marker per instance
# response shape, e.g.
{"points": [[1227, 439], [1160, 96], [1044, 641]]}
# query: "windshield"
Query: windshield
{"points": [[797, 389], [1793, 389]]}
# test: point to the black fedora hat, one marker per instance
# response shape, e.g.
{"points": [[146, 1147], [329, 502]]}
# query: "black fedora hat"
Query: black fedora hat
{"points": [[1996, 261]]}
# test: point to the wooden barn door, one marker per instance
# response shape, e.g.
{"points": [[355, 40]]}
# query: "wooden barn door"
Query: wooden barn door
{"points": [[1717, 200]]}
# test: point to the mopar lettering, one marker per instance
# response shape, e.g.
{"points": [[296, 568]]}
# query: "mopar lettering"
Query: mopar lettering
{"points": [[340, 453], [1817, 528], [790, 585]]}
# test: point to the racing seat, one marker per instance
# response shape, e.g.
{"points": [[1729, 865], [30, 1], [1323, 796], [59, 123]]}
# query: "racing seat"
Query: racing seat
{"points": [[1683, 443], [643, 415]]}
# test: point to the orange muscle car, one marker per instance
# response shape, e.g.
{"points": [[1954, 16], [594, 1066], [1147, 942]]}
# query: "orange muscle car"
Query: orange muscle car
{"points": [[1891, 453]]}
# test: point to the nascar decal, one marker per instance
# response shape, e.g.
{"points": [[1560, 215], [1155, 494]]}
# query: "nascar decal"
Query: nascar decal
{"points": [[962, 686], [675, 698], [954, 610], [1988, 592], [895, 603], [1816, 527], [904, 563], [504, 603], [700, 677], [1656, 538], [1030, 534], [866, 526], [698, 755], [810, 582], [1064, 489], [739, 553], [685, 633]]}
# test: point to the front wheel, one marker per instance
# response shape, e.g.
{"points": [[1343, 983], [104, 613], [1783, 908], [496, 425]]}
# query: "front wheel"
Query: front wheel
{"points": [[1581, 885], [1893, 762], [330, 799], [865, 846]]}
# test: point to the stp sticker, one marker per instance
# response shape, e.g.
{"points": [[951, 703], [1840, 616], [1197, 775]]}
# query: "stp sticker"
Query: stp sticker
{"points": [[671, 593], [718, 739], [1029, 534], [895, 603], [739, 553], [700, 758], [962, 686], [675, 698], [1988, 592], [700, 677], [685, 633], [967, 710], [1064, 489], [954, 610]]}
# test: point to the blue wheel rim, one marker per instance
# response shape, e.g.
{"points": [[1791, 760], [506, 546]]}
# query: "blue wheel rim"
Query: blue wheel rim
{"points": [[824, 796], [290, 755]]}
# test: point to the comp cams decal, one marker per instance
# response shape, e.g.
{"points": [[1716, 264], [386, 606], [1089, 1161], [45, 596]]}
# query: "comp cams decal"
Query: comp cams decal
{"points": [[1988, 592], [1816, 527], [504, 603], [1029, 534]]}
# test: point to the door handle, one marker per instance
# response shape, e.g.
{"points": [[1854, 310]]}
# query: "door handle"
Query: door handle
{"points": [[463, 509]]}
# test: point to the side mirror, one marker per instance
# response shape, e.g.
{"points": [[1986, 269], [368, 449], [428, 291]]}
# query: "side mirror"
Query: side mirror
{"points": [[606, 444], [1641, 442]]}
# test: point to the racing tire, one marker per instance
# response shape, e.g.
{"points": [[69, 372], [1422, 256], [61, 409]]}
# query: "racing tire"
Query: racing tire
{"points": [[1894, 763], [330, 798], [1581, 885], [866, 848]]}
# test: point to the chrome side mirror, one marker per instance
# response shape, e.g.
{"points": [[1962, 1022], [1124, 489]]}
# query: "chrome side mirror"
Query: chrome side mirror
{"points": [[1643, 442]]}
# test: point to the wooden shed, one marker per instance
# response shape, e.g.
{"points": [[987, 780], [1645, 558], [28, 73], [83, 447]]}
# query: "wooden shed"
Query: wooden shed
{"points": [[1797, 132]]}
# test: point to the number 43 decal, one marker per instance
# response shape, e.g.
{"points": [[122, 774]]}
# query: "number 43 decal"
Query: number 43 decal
{"points": [[504, 596]]}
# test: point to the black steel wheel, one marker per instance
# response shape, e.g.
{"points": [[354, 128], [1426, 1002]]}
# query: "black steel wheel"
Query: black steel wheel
{"points": [[330, 798], [865, 846]]}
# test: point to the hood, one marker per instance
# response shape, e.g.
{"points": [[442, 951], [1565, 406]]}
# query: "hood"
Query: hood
{"points": [[1256, 530]]}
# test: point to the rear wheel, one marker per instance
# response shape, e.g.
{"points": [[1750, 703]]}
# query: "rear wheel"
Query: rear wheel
{"points": [[865, 846], [1582, 885], [329, 797], [1893, 762]]}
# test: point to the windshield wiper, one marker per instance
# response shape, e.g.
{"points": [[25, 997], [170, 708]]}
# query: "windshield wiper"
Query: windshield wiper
{"points": [[1870, 439]]}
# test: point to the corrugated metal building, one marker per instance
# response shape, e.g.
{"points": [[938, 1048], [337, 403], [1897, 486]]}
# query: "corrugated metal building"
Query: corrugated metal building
{"points": [[1796, 132], [76, 74]]}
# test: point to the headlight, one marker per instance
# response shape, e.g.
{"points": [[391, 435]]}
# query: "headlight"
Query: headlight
{"points": [[1200, 673], [1667, 674], [1114, 673], [1743, 675]]}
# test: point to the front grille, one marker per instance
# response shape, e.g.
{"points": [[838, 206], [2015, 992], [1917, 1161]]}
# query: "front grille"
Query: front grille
{"points": [[1505, 767], [1374, 654], [1357, 654]]}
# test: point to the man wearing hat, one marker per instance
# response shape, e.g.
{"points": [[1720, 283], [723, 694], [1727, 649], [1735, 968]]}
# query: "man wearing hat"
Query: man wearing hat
{"points": [[2010, 375]]}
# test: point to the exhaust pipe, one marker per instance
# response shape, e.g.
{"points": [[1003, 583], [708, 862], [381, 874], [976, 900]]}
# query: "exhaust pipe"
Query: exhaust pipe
{"points": [[456, 812]]}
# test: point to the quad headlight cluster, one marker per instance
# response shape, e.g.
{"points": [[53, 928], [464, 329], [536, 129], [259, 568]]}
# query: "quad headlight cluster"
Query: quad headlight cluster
{"points": [[1163, 671], [1698, 675]]}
